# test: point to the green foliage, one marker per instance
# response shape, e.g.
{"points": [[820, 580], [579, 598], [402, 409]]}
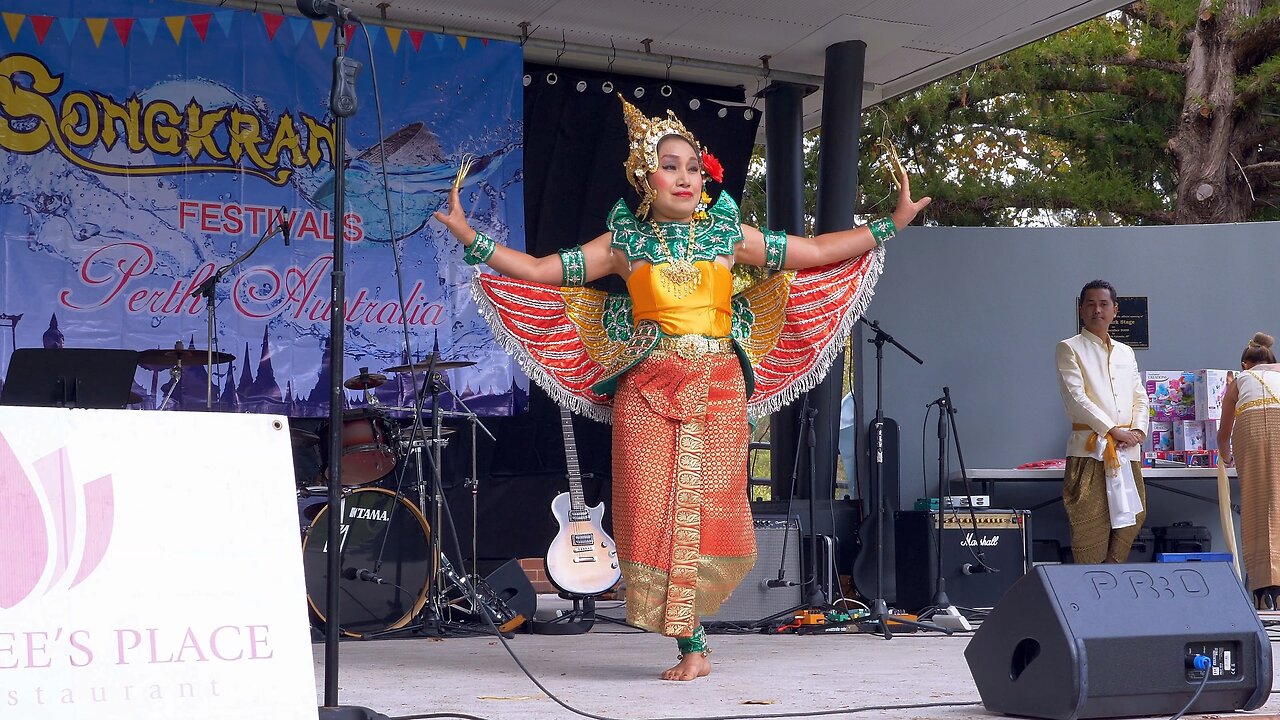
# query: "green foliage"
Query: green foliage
{"points": [[1073, 129]]}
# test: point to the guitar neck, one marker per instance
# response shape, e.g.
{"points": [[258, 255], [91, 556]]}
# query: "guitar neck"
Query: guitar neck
{"points": [[577, 503]]}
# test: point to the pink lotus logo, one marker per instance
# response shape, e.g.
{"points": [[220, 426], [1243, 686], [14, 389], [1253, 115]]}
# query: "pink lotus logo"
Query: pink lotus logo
{"points": [[30, 531]]}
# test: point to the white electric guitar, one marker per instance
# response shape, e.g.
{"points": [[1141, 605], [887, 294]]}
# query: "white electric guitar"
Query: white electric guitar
{"points": [[582, 559]]}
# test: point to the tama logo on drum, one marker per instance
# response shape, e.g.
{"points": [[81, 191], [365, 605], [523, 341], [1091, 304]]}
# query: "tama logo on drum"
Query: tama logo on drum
{"points": [[360, 513]]}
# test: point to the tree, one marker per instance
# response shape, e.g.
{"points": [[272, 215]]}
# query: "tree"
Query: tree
{"points": [[1166, 111]]}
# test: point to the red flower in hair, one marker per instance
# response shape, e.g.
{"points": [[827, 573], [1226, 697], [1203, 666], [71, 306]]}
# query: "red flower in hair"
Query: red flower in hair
{"points": [[712, 167]]}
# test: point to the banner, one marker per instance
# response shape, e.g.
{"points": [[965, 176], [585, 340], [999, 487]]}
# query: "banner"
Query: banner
{"points": [[146, 147], [143, 581]]}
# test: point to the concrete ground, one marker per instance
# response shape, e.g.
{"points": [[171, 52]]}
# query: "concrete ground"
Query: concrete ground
{"points": [[612, 672]]}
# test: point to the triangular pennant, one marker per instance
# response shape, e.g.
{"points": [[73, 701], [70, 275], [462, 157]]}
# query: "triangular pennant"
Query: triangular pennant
{"points": [[97, 27], [224, 20], [393, 38], [123, 27], [439, 40], [350, 28], [41, 24], [175, 23], [416, 37], [462, 40], [484, 42], [149, 27], [272, 22], [69, 27], [322, 31], [299, 26], [201, 24], [13, 21]]}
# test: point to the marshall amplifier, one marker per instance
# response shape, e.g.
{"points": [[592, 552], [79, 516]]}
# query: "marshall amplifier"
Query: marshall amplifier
{"points": [[1002, 536]]}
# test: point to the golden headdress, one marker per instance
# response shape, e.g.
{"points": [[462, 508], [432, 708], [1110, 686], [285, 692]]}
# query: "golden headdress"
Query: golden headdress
{"points": [[645, 133]]}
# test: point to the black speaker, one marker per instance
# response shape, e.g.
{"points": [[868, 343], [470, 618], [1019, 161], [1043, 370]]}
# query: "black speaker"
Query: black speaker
{"points": [[510, 583], [1003, 537], [1092, 641], [754, 600]]}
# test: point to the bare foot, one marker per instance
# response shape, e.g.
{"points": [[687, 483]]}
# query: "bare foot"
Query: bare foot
{"points": [[690, 667]]}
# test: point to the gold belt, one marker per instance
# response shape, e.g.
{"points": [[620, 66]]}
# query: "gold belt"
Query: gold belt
{"points": [[692, 347], [1260, 402]]}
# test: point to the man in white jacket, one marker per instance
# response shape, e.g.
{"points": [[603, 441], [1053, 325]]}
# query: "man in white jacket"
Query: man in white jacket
{"points": [[1106, 403]]}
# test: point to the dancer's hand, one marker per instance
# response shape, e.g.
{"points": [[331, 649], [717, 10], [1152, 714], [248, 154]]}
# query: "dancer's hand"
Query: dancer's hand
{"points": [[907, 208], [455, 221]]}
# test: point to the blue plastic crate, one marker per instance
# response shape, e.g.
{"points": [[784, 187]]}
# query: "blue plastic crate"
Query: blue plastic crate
{"points": [[1194, 557]]}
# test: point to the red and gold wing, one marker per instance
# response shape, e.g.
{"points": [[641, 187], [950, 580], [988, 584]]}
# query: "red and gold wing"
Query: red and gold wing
{"points": [[556, 334], [799, 323]]}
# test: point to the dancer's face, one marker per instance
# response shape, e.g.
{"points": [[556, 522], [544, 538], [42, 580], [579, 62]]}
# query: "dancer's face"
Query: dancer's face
{"points": [[1097, 311], [677, 184]]}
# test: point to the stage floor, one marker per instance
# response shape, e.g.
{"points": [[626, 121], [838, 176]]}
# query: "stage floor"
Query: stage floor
{"points": [[612, 671]]}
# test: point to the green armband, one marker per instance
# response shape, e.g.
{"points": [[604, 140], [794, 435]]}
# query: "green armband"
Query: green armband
{"points": [[882, 229], [775, 249], [480, 249], [574, 262]]}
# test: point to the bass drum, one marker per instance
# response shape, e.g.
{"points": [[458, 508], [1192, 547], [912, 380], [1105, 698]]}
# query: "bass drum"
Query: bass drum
{"points": [[384, 534]]}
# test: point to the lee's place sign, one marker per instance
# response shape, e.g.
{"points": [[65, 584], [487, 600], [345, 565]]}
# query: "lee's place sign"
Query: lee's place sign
{"points": [[150, 567]]}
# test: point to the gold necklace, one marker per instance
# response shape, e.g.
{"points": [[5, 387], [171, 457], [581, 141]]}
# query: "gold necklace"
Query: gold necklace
{"points": [[678, 275]]}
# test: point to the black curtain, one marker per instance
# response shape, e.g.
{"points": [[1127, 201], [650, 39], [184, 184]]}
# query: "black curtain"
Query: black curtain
{"points": [[575, 142]]}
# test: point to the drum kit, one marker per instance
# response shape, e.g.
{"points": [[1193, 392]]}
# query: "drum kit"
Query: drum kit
{"points": [[395, 576]]}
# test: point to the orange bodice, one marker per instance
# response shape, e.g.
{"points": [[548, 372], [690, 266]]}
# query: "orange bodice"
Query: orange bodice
{"points": [[705, 311]]}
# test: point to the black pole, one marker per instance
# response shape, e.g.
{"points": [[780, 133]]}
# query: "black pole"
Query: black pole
{"points": [[940, 599], [784, 190]]}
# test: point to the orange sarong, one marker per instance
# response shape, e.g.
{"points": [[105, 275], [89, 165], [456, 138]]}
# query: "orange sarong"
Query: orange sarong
{"points": [[680, 515]]}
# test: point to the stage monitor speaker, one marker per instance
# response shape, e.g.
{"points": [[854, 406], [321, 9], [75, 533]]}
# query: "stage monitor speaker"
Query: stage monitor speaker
{"points": [[1003, 537], [510, 583], [1095, 641], [754, 600]]}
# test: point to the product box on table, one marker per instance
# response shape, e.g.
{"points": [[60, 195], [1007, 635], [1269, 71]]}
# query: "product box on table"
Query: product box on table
{"points": [[1188, 435], [1200, 458], [1172, 394], [1209, 387], [1159, 435], [1211, 434]]}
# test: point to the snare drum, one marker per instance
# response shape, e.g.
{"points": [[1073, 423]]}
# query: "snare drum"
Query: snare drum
{"points": [[384, 534], [368, 446]]}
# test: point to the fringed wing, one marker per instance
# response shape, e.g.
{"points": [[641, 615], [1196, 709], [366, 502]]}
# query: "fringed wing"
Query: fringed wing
{"points": [[562, 337], [799, 322]]}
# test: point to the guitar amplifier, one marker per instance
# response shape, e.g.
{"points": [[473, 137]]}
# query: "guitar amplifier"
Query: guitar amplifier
{"points": [[777, 541], [1003, 537]]}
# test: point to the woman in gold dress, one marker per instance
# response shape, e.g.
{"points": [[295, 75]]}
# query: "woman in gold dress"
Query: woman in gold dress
{"points": [[678, 362]]}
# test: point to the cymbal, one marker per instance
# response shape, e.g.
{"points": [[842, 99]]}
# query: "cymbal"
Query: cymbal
{"points": [[424, 366], [300, 438], [364, 381], [158, 359]]}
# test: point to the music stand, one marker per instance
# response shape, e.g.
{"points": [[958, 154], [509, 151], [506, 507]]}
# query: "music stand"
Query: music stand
{"points": [[69, 377]]}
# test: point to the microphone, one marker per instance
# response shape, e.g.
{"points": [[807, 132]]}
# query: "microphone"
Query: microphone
{"points": [[321, 9], [284, 224], [362, 574]]}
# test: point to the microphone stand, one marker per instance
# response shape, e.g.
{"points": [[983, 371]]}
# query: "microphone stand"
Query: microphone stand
{"points": [[206, 289], [945, 614], [342, 103], [977, 551], [879, 617]]}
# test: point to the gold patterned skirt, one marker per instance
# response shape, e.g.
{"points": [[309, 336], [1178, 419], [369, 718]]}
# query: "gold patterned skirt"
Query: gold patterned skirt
{"points": [[1255, 441], [680, 515]]}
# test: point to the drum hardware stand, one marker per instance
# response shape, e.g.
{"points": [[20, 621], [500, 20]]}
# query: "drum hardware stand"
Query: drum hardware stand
{"points": [[879, 619], [206, 290], [175, 376]]}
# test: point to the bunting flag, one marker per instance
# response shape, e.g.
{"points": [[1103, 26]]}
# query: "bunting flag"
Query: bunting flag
{"points": [[393, 38], [462, 40], [69, 27], [97, 27], [200, 23], [224, 21], [299, 27], [272, 23], [13, 21], [322, 30], [175, 23], [41, 24], [149, 27], [416, 37], [123, 27]]}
